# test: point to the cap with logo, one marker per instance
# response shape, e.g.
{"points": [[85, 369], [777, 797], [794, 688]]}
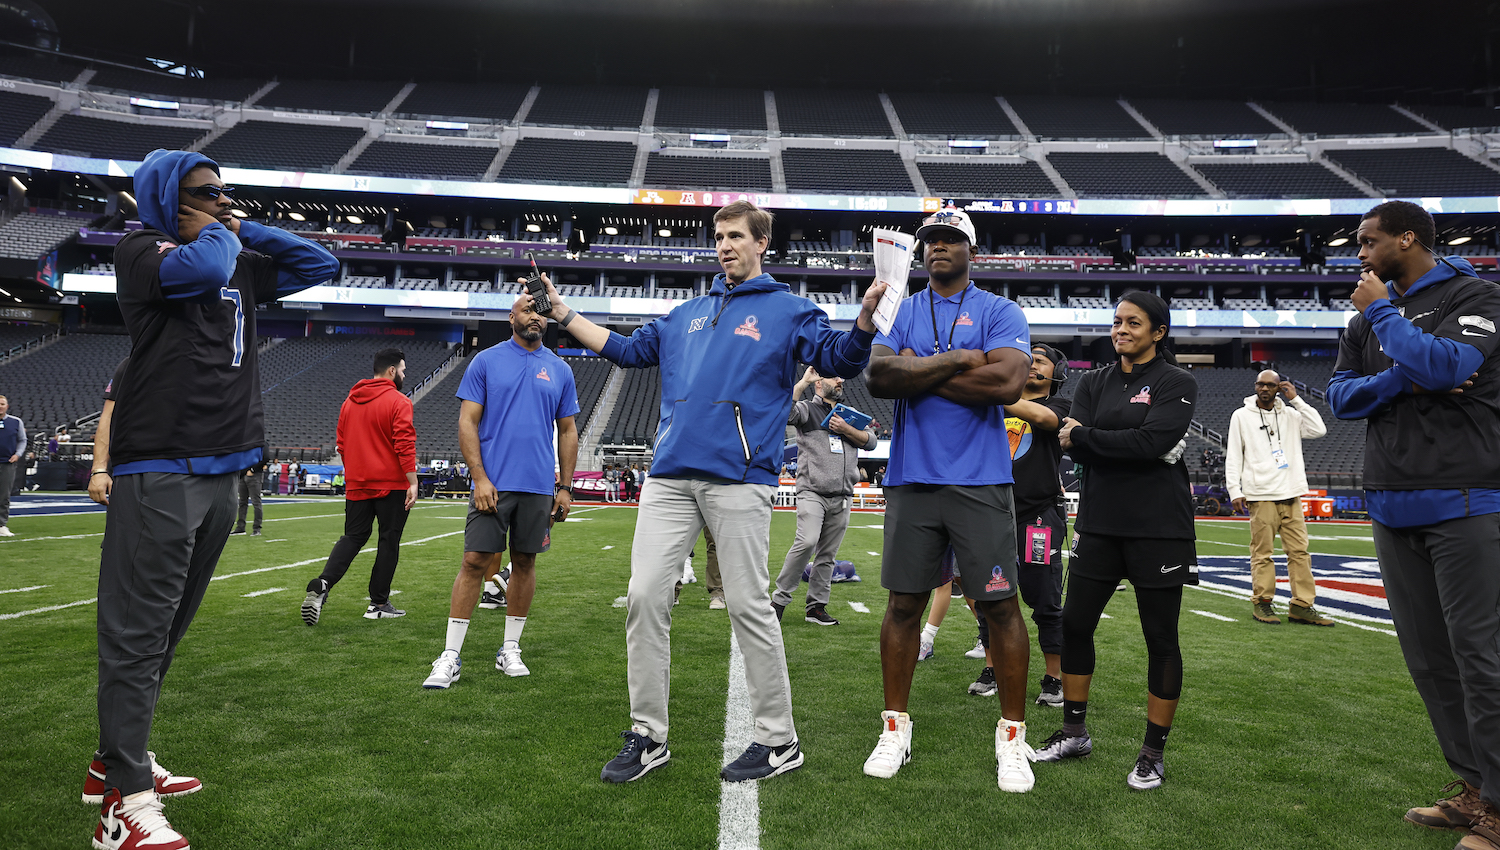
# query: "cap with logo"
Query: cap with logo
{"points": [[954, 221]]}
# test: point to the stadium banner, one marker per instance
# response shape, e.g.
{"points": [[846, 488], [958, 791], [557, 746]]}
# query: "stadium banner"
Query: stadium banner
{"points": [[767, 200]]}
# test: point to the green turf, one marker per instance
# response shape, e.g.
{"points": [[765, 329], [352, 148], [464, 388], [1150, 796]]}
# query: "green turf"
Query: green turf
{"points": [[322, 737]]}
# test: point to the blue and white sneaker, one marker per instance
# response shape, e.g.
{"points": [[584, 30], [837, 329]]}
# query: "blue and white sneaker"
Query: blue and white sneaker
{"points": [[639, 756], [762, 762], [445, 670]]}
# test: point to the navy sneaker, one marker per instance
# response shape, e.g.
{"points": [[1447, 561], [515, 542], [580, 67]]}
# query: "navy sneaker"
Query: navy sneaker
{"points": [[762, 762], [639, 756]]}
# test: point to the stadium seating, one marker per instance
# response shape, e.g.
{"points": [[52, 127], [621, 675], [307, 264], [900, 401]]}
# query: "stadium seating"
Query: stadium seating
{"points": [[568, 161], [291, 147], [711, 110], [497, 102], [969, 179], [43, 69], [436, 416], [99, 137], [29, 235], [18, 112], [1217, 118], [1409, 172], [1149, 175], [63, 381], [1277, 180], [705, 172], [1077, 118], [812, 112], [1460, 117], [160, 86], [413, 159], [358, 97], [605, 107], [844, 171], [590, 377], [14, 335], [637, 409], [1344, 119], [952, 116]]}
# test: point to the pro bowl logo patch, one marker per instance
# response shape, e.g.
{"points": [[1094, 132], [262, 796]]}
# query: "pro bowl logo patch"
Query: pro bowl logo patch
{"points": [[997, 582], [543, 375], [748, 328], [964, 320], [163, 246], [1020, 434], [1142, 397]]}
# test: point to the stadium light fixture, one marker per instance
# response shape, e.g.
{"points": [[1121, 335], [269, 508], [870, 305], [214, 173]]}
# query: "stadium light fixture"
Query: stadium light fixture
{"points": [[296, 216], [664, 232], [238, 213], [1459, 240], [354, 219], [533, 228], [1339, 242], [611, 231]]}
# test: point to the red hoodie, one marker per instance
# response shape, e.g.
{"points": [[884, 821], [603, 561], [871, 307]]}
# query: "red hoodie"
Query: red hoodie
{"points": [[376, 439]]}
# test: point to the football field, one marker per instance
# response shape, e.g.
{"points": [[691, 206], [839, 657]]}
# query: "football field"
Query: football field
{"points": [[1287, 736]]}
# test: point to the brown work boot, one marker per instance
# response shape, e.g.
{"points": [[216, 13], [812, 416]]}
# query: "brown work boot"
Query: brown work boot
{"points": [[1262, 611], [1456, 811], [1307, 616], [1484, 831]]}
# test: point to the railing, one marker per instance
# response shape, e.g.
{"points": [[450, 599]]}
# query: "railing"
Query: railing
{"points": [[438, 373], [24, 347]]}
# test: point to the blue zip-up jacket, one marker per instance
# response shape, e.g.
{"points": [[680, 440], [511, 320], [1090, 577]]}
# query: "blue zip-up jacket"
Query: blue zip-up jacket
{"points": [[728, 364], [1429, 457]]}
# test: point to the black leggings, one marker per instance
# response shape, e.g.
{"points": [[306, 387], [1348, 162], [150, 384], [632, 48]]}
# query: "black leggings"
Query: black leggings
{"points": [[1159, 608]]}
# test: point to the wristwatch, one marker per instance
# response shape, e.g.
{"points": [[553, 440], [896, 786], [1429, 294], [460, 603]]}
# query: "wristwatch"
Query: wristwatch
{"points": [[565, 487]]}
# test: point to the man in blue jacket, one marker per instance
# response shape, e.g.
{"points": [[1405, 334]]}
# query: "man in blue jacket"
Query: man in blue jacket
{"points": [[728, 362], [186, 425], [1422, 365]]}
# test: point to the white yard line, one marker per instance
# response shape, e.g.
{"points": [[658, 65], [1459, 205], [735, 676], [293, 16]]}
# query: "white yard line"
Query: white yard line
{"points": [[1241, 596], [24, 589], [263, 592], [59, 537], [1212, 616], [860, 607], [48, 608], [739, 802]]}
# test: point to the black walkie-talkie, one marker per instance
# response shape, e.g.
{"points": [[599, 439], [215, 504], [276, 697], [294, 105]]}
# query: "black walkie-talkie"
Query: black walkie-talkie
{"points": [[540, 303]]}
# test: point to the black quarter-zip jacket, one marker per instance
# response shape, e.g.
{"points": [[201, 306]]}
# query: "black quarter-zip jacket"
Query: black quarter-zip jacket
{"points": [[1128, 421]]}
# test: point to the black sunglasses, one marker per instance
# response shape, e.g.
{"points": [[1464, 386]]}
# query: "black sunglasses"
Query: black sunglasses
{"points": [[210, 193]]}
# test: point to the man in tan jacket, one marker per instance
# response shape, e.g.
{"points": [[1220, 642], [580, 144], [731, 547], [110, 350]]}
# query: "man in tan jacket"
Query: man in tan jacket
{"points": [[1263, 471]]}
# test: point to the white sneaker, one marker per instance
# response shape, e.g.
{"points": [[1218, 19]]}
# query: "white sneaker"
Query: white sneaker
{"points": [[508, 660], [6, 532], [977, 651], [445, 670], [1147, 774], [1013, 755], [894, 747], [716, 603], [142, 825], [924, 651], [688, 576]]}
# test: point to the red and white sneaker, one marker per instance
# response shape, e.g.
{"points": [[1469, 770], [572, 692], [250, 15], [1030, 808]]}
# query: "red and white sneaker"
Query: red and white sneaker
{"points": [[140, 827], [166, 784]]}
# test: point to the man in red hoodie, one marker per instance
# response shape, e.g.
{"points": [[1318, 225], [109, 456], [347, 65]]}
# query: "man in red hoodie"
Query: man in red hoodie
{"points": [[379, 447]]}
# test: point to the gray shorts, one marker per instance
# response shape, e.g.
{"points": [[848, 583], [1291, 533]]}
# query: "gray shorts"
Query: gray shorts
{"points": [[525, 516], [923, 520]]}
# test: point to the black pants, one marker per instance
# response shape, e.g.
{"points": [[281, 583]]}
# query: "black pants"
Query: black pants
{"points": [[1443, 585], [163, 534], [1159, 609], [1041, 584], [249, 494], [359, 517]]}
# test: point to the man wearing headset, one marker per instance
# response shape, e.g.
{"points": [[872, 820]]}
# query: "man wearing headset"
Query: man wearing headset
{"points": [[1421, 363]]}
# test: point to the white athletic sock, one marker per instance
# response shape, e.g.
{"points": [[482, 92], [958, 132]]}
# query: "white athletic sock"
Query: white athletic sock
{"points": [[929, 632], [513, 627], [457, 630], [491, 587]]}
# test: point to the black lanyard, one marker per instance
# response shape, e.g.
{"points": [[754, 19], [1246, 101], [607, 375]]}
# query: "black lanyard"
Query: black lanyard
{"points": [[1270, 432], [932, 308]]}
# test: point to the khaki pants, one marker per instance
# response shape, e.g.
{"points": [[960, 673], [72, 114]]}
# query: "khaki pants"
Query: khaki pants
{"points": [[1267, 519]]}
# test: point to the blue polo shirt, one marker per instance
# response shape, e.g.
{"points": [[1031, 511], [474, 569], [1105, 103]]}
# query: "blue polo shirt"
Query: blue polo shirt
{"points": [[934, 440], [523, 393]]}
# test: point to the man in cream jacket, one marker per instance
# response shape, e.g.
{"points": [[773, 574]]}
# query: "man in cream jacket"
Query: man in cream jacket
{"points": [[1264, 473]]}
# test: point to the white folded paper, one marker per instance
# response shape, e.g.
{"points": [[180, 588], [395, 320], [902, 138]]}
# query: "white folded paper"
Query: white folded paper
{"points": [[893, 252]]}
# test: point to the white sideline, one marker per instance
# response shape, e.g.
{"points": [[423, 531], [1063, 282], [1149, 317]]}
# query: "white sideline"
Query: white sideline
{"points": [[739, 802]]}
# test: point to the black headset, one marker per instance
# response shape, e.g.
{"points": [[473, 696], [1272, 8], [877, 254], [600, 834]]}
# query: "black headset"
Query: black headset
{"points": [[1059, 364]]}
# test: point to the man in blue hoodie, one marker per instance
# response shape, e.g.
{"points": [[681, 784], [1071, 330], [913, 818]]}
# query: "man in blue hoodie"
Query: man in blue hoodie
{"points": [[728, 362], [1422, 365], [186, 425]]}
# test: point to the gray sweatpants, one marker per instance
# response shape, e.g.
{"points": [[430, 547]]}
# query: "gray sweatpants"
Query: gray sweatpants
{"points": [[821, 523], [1443, 585], [673, 512], [8, 473], [163, 535]]}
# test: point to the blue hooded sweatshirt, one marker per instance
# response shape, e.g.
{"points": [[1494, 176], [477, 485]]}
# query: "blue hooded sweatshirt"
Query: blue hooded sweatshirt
{"points": [[728, 364], [191, 396], [1417, 446]]}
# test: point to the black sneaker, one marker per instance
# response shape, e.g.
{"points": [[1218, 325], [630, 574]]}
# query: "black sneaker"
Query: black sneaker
{"points": [[317, 597], [639, 756], [762, 762], [818, 617], [984, 686], [779, 609], [237, 531], [1051, 691], [491, 600], [1064, 746]]}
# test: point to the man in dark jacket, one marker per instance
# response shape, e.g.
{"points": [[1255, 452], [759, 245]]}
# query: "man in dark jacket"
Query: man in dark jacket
{"points": [[186, 425], [379, 446], [1422, 365]]}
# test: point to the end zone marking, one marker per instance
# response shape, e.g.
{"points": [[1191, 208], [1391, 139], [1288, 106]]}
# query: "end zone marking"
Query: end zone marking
{"points": [[262, 592], [1213, 616]]}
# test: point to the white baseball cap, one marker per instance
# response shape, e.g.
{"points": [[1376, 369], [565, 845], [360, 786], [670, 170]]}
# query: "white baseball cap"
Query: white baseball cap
{"points": [[948, 219]]}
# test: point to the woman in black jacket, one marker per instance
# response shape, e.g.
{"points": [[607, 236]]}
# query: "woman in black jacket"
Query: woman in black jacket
{"points": [[1135, 521]]}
